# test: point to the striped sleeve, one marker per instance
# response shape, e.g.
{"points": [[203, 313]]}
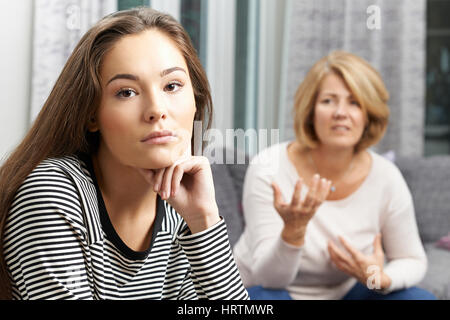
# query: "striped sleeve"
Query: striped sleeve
{"points": [[44, 242], [214, 273]]}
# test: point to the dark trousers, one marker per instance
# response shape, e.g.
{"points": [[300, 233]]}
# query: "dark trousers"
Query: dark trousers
{"points": [[358, 292]]}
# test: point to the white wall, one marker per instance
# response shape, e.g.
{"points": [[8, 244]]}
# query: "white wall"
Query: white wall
{"points": [[271, 23], [220, 60], [15, 70]]}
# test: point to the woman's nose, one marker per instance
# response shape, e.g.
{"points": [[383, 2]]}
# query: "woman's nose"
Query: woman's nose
{"points": [[341, 109], [156, 115], [155, 109]]}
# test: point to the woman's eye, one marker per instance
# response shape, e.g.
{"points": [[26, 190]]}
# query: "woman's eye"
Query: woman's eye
{"points": [[356, 103], [126, 93], [326, 101], [173, 86]]}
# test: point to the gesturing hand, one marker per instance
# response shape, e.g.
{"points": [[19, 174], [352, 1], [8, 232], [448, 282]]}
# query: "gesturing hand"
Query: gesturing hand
{"points": [[297, 214], [188, 187], [361, 266]]}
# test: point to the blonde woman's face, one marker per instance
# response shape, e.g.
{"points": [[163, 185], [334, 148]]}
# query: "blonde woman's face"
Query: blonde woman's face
{"points": [[146, 91], [338, 118]]}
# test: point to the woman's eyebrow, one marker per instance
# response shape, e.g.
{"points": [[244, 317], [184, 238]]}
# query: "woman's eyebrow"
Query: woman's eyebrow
{"points": [[124, 76], [332, 94], [170, 70], [136, 78], [324, 94]]}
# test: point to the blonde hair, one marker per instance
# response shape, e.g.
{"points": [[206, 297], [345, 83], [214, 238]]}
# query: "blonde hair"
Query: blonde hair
{"points": [[364, 82]]}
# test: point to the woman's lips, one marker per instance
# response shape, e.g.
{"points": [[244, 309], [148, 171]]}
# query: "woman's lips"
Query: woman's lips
{"points": [[340, 128], [160, 140], [160, 137]]}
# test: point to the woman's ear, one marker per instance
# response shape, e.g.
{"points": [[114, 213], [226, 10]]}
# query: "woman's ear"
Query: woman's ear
{"points": [[92, 125]]}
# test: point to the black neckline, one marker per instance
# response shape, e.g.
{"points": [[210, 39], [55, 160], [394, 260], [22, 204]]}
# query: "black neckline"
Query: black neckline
{"points": [[108, 227]]}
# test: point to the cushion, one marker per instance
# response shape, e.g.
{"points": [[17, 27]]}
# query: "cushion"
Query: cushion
{"points": [[429, 182], [437, 278], [444, 242], [228, 183]]}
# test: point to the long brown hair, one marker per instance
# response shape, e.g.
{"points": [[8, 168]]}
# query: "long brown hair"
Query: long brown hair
{"points": [[60, 129]]}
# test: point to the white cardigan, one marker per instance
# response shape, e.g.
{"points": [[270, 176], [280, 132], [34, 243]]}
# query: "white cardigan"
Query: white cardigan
{"points": [[383, 203]]}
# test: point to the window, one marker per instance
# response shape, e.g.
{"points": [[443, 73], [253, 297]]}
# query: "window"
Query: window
{"points": [[128, 4], [193, 19], [246, 62], [192, 16], [437, 118]]}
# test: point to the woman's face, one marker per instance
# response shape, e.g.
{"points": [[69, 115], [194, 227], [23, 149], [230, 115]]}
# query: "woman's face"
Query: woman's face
{"points": [[338, 118], [146, 90]]}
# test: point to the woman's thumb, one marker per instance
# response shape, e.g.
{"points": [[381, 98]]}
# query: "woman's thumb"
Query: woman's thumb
{"points": [[277, 196], [377, 245]]}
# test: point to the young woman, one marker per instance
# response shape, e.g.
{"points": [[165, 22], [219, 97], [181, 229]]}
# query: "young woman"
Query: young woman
{"points": [[102, 199], [330, 237]]}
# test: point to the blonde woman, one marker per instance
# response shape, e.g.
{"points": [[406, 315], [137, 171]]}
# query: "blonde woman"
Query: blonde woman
{"points": [[322, 220], [102, 199]]}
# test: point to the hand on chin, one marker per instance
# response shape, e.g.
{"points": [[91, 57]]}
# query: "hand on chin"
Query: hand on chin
{"points": [[187, 185]]}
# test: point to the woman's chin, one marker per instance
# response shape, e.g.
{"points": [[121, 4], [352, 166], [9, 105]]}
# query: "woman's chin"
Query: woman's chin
{"points": [[160, 160], [340, 143]]}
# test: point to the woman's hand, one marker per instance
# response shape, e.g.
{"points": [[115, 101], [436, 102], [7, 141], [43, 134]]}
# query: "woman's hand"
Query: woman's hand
{"points": [[188, 187], [367, 269], [297, 214]]}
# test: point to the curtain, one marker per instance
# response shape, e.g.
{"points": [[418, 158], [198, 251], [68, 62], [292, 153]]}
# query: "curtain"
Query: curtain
{"points": [[389, 34], [58, 26]]}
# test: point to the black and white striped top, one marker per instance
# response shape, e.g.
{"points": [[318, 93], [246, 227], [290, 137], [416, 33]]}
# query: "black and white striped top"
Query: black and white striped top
{"points": [[60, 244]]}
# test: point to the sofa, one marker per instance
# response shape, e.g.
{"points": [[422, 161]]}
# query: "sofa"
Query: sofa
{"points": [[429, 182]]}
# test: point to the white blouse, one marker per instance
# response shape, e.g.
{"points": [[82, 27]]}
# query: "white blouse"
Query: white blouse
{"points": [[383, 203]]}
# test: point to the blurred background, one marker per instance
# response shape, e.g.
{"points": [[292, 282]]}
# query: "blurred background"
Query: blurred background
{"points": [[256, 53]]}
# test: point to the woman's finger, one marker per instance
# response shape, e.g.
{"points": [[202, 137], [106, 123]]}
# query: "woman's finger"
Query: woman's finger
{"points": [[297, 193], [166, 184], [158, 179], [356, 255], [174, 173], [192, 165], [322, 194], [340, 263], [324, 190], [339, 253], [177, 175], [311, 196], [278, 199], [378, 246]]}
